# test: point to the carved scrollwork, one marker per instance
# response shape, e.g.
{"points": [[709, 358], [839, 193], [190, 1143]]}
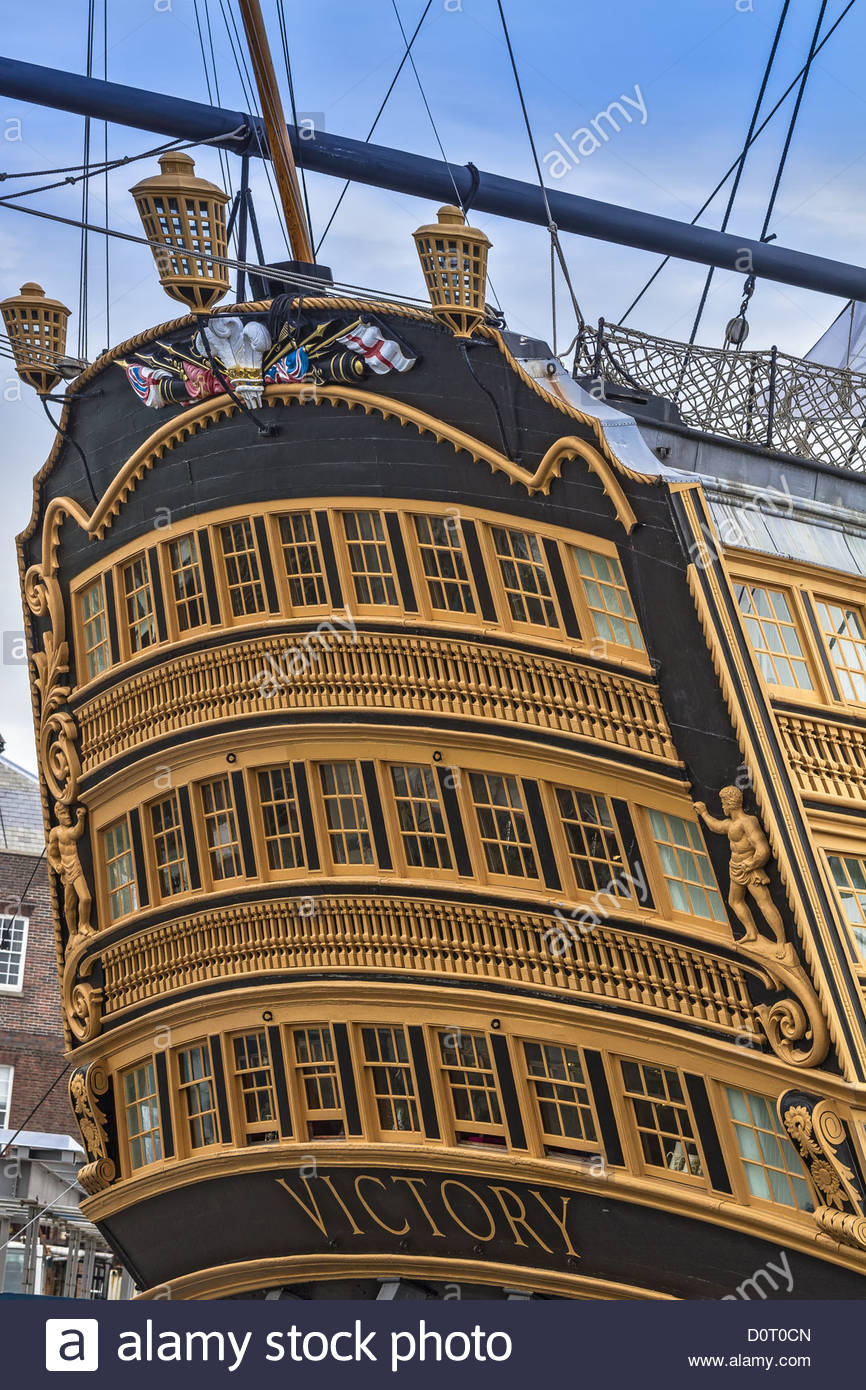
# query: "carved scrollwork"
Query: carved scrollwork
{"points": [[84, 1010], [795, 1026], [821, 1139], [85, 1087]]}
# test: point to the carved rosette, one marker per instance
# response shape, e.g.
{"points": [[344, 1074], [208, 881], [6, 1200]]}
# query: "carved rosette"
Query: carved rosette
{"points": [[85, 1087], [821, 1139]]}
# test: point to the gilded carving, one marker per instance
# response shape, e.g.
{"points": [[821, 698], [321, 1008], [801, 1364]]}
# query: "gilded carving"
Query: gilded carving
{"points": [[62, 855], [85, 1087], [83, 1007], [750, 852], [821, 1139]]}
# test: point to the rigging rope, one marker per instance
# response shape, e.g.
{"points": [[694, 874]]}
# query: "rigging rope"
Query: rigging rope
{"points": [[742, 160], [223, 158], [723, 180], [85, 198], [382, 106], [284, 37], [105, 179], [551, 225], [457, 197]]}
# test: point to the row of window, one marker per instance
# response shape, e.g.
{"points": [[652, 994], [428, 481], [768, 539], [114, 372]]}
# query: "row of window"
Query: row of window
{"points": [[806, 642], [559, 1116], [492, 827], [382, 562]]}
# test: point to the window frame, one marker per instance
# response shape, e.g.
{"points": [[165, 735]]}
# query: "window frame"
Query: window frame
{"points": [[181, 1088], [318, 807], [632, 1133], [176, 633], [476, 843], [150, 855], [124, 624], [83, 673], [132, 1169], [452, 1125], [507, 621], [839, 849], [371, 1122], [391, 804], [817, 597], [22, 961], [211, 884], [104, 881], [273, 527], [654, 867], [342, 543], [8, 1069], [242, 1127], [228, 617], [737, 1164], [413, 546], [258, 827], [619, 651], [298, 1091], [794, 595], [562, 849], [562, 1147]]}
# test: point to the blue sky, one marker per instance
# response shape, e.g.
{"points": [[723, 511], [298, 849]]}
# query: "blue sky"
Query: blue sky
{"points": [[696, 63]]}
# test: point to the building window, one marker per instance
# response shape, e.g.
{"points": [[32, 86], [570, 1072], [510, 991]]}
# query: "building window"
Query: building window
{"points": [[774, 637], [119, 869], [320, 1086], [849, 876], [241, 561], [221, 829], [345, 814], [608, 599], [593, 841], [420, 818], [440, 546], [254, 1078], [773, 1170], [138, 602], [6, 1075], [369, 558], [472, 1086], [13, 950], [555, 1076], [686, 867], [280, 820], [302, 561], [843, 632], [389, 1073], [662, 1118], [502, 825], [141, 1107], [524, 577], [169, 847], [187, 590], [197, 1095], [94, 629]]}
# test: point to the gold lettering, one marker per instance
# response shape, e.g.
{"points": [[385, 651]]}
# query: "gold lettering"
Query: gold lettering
{"points": [[452, 1182], [317, 1219], [559, 1221], [517, 1218], [413, 1183], [368, 1177], [356, 1229]]}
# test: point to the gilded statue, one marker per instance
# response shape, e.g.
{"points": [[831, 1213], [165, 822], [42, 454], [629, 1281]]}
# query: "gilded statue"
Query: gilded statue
{"points": [[62, 855], [750, 852]]}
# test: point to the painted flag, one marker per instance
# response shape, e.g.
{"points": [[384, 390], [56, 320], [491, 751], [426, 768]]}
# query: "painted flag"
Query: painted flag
{"points": [[292, 367], [380, 353]]}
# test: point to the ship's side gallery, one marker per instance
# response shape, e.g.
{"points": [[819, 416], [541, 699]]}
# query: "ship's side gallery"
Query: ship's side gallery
{"points": [[459, 859]]}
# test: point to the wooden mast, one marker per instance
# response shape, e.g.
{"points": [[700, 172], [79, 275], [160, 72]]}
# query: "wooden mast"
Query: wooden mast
{"points": [[275, 124]]}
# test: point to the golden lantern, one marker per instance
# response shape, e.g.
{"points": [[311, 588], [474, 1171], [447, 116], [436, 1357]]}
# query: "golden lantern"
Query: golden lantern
{"points": [[454, 261], [187, 216], [36, 327]]}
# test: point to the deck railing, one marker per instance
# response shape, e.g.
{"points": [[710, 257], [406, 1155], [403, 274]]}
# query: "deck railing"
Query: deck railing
{"points": [[765, 398]]}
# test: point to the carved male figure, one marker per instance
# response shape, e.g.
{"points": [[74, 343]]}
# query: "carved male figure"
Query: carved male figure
{"points": [[62, 855], [750, 851]]}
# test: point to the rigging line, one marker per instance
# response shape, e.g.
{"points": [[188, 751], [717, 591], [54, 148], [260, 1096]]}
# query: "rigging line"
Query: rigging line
{"points": [[794, 114], [210, 94], [551, 225], [284, 36], [40, 1102], [382, 106], [723, 180], [457, 197], [216, 87], [248, 88], [85, 198], [288, 277], [53, 1203], [105, 178], [742, 160]]}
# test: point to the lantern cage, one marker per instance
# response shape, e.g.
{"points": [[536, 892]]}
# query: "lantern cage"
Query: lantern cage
{"points": [[454, 261], [36, 328], [186, 215]]}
